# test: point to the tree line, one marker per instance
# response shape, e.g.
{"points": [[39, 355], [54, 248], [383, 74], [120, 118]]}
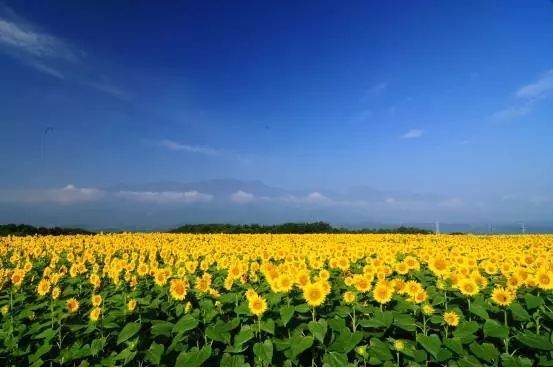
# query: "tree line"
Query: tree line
{"points": [[286, 228], [291, 228], [22, 230]]}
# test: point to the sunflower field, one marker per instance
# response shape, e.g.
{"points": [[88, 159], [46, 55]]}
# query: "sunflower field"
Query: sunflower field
{"points": [[276, 300]]}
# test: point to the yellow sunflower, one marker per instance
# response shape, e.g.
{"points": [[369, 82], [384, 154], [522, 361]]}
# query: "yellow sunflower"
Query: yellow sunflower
{"points": [[72, 305], [382, 293], [313, 294], [451, 318], [178, 289], [257, 306]]}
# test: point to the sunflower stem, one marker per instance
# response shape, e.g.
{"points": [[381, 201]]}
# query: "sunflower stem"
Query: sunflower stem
{"points": [[506, 340]]}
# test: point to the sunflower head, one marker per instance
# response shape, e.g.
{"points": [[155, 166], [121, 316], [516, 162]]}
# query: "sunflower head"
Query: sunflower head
{"points": [[72, 305], [451, 318], [257, 306]]}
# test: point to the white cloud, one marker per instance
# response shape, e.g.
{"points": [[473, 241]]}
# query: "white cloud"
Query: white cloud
{"points": [[377, 89], [49, 54], [175, 146], [514, 111], [413, 134], [452, 203], [527, 97], [166, 197], [242, 197], [72, 194], [311, 198], [21, 37], [538, 88]]}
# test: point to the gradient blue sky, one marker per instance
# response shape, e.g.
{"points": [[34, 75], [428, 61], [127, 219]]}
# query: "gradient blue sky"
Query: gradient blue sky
{"points": [[444, 98]]}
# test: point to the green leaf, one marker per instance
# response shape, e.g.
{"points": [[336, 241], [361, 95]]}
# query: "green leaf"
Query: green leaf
{"points": [[486, 351], [493, 328], [268, 326], [298, 344], [479, 310], [186, 323], [194, 357], [337, 324], [237, 360], [302, 308], [431, 343], [245, 335], [128, 331], [465, 331], [162, 328], [519, 313], [380, 349], [508, 360], [264, 351], [346, 341], [443, 355], [405, 322], [469, 361], [40, 351], [154, 353], [454, 345], [534, 341], [318, 329], [334, 359], [533, 301], [379, 320], [215, 334], [286, 313]]}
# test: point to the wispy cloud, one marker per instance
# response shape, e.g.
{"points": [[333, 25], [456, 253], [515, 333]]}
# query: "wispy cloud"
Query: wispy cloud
{"points": [[51, 55], [377, 89], [166, 197], [242, 197], [527, 97], [413, 134], [176, 146], [538, 88], [22, 37]]}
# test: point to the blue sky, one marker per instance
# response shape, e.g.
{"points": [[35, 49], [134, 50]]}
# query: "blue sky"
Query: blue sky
{"points": [[449, 101]]}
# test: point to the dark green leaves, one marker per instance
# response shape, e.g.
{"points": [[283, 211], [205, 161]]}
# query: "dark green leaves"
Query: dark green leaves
{"points": [[493, 328], [318, 329], [431, 343], [193, 358], [128, 331]]}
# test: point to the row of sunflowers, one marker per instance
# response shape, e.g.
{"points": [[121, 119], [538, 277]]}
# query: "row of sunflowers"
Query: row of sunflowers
{"points": [[286, 300]]}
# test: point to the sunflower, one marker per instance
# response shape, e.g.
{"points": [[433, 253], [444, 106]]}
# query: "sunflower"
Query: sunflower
{"points": [[178, 289], [131, 305], [412, 288], [96, 300], [362, 284], [160, 277], [502, 296], [95, 314], [420, 297], [382, 293], [399, 345], [468, 287], [56, 292], [72, 305], [349, 297], [257, 306], [427, 309], [43, 287], [250, 294], [284, 283], [17, 277], [451, 318], [545, 279], [314, 294]]}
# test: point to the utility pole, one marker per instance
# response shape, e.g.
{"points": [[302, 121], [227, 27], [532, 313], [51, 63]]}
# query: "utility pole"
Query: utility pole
{"points": [[490, 229], [437, 227], [523, 229]]}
